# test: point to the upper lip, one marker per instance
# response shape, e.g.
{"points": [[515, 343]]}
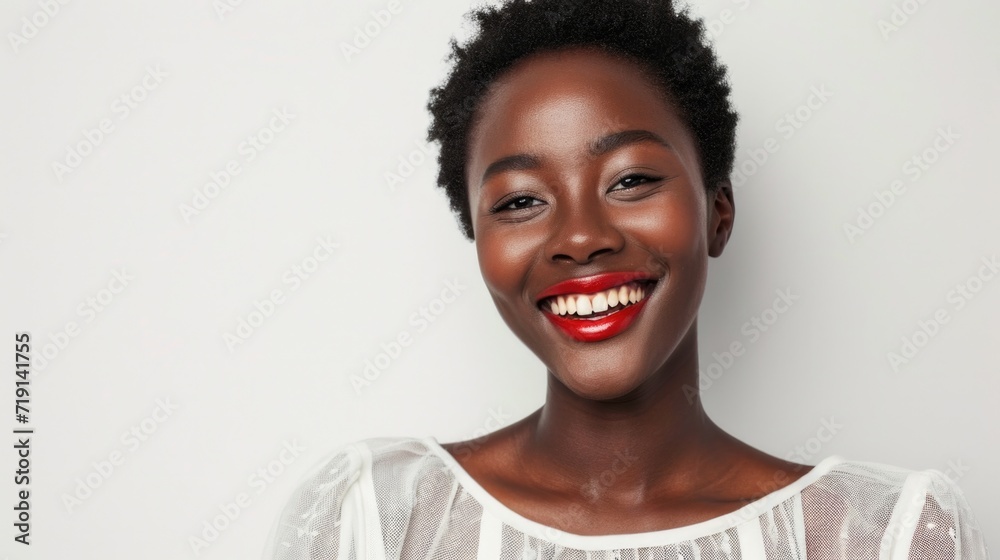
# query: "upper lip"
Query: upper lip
{"points": [[592, 284]]}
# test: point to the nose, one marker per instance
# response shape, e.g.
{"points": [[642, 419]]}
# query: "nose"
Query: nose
{"points": [[582, 230]]}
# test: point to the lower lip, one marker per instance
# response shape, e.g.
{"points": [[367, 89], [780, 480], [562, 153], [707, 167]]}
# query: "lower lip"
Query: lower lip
{"points": [[593, 330]]}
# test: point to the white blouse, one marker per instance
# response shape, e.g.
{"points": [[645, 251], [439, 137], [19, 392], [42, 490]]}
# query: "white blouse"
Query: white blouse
{"points": [[407, 498]]}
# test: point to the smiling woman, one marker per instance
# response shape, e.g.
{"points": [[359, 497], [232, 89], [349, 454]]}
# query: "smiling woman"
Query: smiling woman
{"points": [[592, 173]]}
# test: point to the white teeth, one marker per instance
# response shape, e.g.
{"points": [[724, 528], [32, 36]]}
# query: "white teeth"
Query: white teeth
{"points": [[600, 303], [588, 304]]}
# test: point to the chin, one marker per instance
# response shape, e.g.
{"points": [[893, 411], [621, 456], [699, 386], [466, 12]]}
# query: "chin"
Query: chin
{"points": [[601, 385]]}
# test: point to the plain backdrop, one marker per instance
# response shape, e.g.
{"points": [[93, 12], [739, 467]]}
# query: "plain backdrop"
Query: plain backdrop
{"points": [[149, 419]]}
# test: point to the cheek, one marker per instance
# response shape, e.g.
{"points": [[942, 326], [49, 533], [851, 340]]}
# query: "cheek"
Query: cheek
{"points": [[673, 226], [504, 263]]}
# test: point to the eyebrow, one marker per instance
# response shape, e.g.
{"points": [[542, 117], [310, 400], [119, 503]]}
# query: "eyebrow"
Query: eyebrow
{"points": [[603, 145]]}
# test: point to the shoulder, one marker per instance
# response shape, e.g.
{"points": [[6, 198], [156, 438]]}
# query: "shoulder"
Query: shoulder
{"points": [[333, 498], [922, 511], [343, 465], [933, 519]]}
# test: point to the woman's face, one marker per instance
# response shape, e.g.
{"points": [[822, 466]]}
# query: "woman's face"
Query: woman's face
{"points": [[582, 178]]}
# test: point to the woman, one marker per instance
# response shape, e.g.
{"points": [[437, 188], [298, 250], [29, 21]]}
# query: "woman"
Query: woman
{"points": [[586, 147]]}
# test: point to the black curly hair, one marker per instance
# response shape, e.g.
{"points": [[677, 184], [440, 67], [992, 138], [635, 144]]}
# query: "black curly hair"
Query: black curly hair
{"points": [[667, 43]]}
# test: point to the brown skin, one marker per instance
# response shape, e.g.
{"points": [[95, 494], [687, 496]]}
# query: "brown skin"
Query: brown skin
{"points": [[573, 216]]}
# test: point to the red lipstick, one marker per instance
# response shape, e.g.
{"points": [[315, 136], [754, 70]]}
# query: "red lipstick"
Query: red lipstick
{"points": [[591, 329], [592, 284]]}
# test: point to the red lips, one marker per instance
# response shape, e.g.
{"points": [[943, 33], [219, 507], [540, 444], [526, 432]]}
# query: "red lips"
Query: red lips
{"points": [[593, 329], [592, 284]]}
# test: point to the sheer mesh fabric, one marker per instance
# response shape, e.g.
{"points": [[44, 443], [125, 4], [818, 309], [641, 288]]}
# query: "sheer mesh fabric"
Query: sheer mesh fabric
{"points": [[406, 498]]}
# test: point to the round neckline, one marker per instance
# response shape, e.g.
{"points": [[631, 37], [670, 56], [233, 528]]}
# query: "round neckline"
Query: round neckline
{"points": [[660, 537]]}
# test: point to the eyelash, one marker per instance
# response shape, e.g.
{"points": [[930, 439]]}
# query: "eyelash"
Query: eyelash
{"points": [[645, 178], [503, 206]]}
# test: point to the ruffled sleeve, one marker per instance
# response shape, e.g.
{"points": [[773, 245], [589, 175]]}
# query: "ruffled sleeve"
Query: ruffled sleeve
{"points": [[933, 520], [316, 522]]}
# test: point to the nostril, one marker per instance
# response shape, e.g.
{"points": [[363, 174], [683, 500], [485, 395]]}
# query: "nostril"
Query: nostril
{"points": [[588, 260]]}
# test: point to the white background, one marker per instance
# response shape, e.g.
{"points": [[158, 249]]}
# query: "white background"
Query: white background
{"points": [[63, 236]]}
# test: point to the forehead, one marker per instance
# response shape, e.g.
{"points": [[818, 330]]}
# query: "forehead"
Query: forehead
{"points": [[555, 103]]}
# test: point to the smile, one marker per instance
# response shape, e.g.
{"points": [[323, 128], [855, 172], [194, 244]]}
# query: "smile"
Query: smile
{"points": [[590, 316], [600, 304]]}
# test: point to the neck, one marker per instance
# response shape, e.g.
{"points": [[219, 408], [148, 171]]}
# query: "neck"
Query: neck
{"points": [[658, 436]]}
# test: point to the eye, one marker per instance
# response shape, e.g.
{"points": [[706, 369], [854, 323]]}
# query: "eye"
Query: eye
{"points": [[636, 179], [518, 202]]}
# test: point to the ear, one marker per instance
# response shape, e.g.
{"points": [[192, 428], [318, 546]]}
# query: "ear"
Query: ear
{"points": [[721, 215]]}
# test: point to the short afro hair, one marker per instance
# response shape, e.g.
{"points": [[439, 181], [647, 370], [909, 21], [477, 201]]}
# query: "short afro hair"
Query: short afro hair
{"points": [[668, 44]]}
